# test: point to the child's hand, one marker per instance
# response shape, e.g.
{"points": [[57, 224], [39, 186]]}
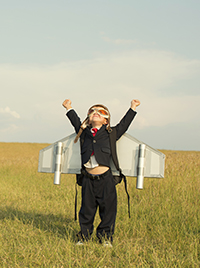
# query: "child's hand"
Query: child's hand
{"points": [[134, 104], [67, 104]]}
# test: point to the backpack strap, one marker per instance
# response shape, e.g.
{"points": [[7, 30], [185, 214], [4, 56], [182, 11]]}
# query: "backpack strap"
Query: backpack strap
{"points": [[113, 139], [75, 208], [82, 137]]}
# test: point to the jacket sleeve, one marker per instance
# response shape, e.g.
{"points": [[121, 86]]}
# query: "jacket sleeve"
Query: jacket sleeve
{"points": [[125, 122], [74, 119]]}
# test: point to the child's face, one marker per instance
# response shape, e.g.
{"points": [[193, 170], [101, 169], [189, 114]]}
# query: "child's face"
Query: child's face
{"points": [[95, 119]]}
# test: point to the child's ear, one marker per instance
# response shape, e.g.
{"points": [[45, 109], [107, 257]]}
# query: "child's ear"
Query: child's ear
{"points": [[106, 122]]}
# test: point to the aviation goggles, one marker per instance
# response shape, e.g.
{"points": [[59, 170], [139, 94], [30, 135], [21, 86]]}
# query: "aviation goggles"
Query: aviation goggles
{"points": [[100, 111]]}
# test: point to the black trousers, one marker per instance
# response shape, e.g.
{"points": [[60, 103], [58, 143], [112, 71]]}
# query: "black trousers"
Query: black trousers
{"points": [[100, 193]]}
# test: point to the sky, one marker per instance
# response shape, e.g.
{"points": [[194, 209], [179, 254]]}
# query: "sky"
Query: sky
{"points": [[97, 51]]}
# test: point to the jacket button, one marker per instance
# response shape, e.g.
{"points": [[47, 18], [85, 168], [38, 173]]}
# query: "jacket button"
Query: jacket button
{"points": [[94, 141]]}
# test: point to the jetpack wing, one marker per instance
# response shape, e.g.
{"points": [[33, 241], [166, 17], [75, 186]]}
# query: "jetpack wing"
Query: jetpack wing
{"points": [[136, 159]]}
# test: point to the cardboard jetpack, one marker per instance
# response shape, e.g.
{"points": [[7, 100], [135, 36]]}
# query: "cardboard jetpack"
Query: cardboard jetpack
{"points": [[136, 159]]}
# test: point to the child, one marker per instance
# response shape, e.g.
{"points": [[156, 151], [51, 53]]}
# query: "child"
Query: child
{"points": [[98, 187]]}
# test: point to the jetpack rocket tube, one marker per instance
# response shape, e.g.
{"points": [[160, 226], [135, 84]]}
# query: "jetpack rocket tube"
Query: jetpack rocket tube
{"points": [[58, 163], [141, 166]]}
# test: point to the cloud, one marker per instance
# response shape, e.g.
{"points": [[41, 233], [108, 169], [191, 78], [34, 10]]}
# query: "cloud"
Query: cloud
{"points": [[118, 41], [8, 120], [9, 128], [7, 110], [174, 136], [143, 73], [166, 84]]}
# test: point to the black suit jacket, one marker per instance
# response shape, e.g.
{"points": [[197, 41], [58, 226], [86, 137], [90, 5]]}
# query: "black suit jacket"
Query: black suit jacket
{"points": [[100, 144]]}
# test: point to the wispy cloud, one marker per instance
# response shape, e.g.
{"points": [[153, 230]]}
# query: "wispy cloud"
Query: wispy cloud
{"points": [[7, 110], [165, 83], [118, 41], [7, 129]]}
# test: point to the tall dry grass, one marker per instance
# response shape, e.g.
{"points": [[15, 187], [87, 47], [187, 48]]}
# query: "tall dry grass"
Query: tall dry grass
{"points": [[37, 227]]}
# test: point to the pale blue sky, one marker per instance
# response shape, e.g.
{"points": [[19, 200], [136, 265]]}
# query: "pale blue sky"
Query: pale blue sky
{"points": [[101, 51]]}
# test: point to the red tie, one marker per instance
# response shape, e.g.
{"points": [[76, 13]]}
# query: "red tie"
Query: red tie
{"points": [[94, 131]]}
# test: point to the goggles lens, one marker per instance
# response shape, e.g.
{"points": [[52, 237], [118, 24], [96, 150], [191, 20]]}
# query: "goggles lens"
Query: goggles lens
{"points": [[100, 111]]}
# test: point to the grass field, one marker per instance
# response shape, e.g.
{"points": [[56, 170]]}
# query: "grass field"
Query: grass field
{"points": [[37, 227]]}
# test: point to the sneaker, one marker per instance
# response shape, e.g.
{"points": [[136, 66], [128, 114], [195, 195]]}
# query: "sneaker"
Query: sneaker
{"points": [[79, 243], [107, 244]]}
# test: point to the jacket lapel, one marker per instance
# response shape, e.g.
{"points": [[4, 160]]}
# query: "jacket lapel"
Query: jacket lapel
{"points": [[100, 131]]}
